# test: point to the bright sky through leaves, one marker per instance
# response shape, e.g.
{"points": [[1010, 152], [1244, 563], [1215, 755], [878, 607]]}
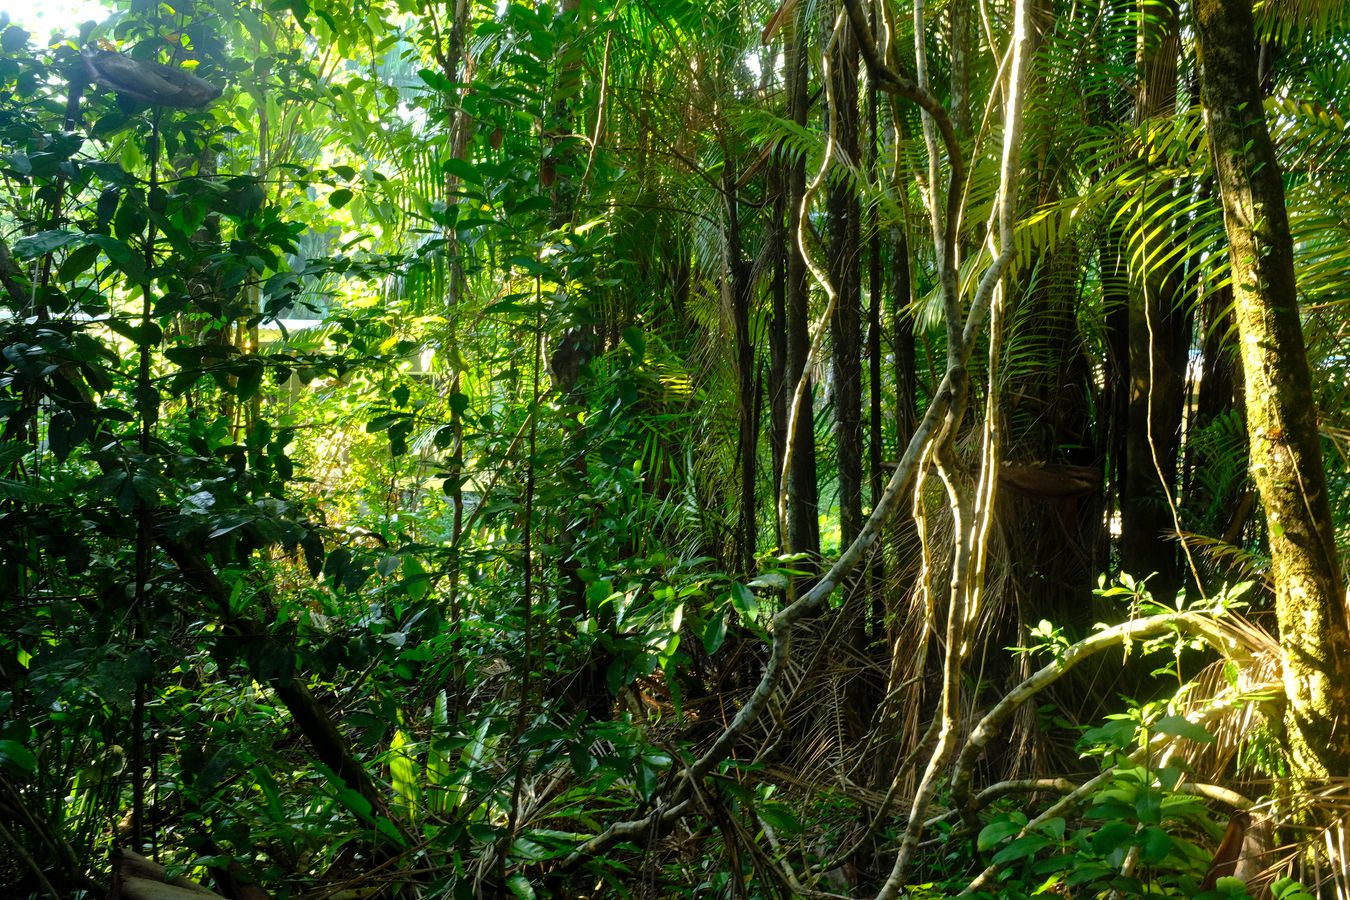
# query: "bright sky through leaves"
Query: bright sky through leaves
{"points": [[42, 17]]}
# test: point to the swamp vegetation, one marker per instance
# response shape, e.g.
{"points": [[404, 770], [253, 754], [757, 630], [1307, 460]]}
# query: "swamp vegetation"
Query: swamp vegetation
{"points": [[654, 448]]}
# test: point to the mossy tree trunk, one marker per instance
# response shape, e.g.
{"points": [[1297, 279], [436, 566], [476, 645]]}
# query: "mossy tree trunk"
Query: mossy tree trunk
{"points": [[1286, 457]]}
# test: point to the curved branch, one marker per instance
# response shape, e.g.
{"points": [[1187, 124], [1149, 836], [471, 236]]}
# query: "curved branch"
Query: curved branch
{"points": [[1213, 792], [902, 85], [992, 724]]}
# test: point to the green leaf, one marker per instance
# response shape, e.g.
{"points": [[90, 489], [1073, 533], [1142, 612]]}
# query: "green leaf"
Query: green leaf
{"points": [[1111, 836], [249, 379], [44, 242], [780, 817], [13, 451], [80, 259], [17, 756], [340, 198], [581, 759], [483, 832], [436, 80], [1054, 827], [1118, 734], [14, 39], [132, 215], [20, 492], [1180, 726], [996, 833], [744, 600], [714, 633], [354, 802], [1148, 807], [520, 887], [1155, 844], [106, 207], [1289, 889], [1021, 848], [416, 581], [462, 170], [636, 340], [772, 580], [129, 262]]}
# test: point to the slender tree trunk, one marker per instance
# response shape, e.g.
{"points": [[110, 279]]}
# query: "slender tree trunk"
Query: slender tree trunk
{"points": [[876, 387], [845, 270], [906, 358], [778, 365], [1286, 457], [747, 445], [451, 58], [1158, 329], [802, 491], [1222, 509], [958, 14]]}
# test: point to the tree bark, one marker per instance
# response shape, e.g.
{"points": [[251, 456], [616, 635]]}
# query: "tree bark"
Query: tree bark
{"points": [[958, 20], [1286, 457], [1158, 335], [802, 492], [741, 288], [845, 271]]}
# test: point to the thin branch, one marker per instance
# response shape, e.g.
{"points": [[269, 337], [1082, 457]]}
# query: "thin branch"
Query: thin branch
{"points": [[902, 85], [992, 724]]}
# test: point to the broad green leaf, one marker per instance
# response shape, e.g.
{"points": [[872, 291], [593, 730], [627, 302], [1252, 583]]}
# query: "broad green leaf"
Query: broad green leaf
{"points": [[780, 817], [996, 833], [20, 491], [13, 451], [1154, 844], [714, 633], [744, 600], [13, 39], [636, 340], [79, 259], [44, 242], [1180, 726], [1021, 848], [17, 756], [464, 171], [520, 887], [1111, 836]]}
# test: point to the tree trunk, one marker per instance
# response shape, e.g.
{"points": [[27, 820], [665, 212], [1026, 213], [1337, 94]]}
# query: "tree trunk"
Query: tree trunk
{"points": [[1286, 458], [846, 328], [1158, 328], [779, 388], [803, 526], [741, 288], [876, 388], [958, 19]]}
